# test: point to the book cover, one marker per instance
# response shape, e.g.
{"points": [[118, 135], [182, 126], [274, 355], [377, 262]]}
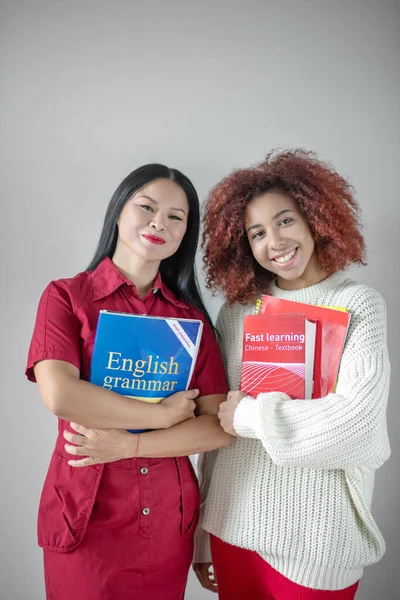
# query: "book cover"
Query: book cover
{"points": [[278, 355], [331, 331], [142, 357]]}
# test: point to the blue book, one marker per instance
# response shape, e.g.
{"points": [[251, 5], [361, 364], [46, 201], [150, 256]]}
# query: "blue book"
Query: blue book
{"points": [[142, 357]]}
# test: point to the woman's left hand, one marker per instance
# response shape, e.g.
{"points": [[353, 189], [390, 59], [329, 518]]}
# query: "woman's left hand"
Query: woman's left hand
{"points": [[99, 446], [227, 411]]}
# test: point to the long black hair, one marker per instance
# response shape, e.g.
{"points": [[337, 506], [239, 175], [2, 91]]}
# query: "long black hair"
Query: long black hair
{"points": [[178, 271]]}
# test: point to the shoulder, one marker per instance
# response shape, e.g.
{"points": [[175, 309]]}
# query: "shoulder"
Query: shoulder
{"points": [[367, 309], [71, 289], [361, 300]]}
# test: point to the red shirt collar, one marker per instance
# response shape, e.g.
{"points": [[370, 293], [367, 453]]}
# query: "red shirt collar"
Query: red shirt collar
{"points": [[106, 278]]}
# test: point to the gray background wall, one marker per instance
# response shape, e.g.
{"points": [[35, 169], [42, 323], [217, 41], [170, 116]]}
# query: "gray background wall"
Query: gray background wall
{"points": [[92, 89]]}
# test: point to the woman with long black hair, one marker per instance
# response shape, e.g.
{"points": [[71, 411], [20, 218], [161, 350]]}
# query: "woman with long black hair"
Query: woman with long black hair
{"points": [[122, 526]]}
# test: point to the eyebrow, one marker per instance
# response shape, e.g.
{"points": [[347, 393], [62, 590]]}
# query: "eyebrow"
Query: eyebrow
{"points": [[155, 202], [278, 214]]}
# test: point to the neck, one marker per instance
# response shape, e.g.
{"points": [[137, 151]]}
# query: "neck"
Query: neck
{"points": [[140, 272], [309, 293], [301, 282]]}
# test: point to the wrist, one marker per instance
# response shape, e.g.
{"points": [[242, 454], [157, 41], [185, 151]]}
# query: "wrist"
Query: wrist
{"points": [[129, 446], [164, 416], [245, 419], [157, 417]]}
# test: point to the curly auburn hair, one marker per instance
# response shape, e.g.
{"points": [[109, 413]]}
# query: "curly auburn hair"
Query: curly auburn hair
{"points": [[325, 199]]}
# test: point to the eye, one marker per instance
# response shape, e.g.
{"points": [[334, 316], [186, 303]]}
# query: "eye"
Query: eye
{"points": [[257, 235], [146, 207], [175, 218], [286, 221]]}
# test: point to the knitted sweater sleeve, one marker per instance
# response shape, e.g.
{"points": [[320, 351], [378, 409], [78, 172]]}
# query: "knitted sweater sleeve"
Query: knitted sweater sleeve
{"points": [[343, 430]]}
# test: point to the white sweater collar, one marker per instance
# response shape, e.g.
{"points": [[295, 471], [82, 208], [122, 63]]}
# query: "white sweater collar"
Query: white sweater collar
{"points": [[308, 294]]}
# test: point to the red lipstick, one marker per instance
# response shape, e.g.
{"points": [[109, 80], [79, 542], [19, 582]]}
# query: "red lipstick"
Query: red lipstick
{"points": [[154, 239]]}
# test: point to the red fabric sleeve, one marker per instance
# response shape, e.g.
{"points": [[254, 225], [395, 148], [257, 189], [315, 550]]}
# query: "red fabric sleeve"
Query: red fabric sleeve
{"points": [[56, 332], [209, 375]]}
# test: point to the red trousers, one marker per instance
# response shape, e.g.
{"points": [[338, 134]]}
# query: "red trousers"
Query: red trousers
{"points": [[124, 532], [244, 575]]}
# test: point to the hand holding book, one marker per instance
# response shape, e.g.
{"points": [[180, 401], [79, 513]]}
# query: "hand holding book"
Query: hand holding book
{"points": [[227, 410], [92, 446], [180, 406]]}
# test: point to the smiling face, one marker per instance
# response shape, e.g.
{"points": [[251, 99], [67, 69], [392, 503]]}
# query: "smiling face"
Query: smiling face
{"points": [[153, 222], [281, 240]]}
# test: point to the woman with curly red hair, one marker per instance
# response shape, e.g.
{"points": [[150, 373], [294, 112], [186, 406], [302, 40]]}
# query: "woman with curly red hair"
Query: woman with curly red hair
{"points": [[288, 503]]}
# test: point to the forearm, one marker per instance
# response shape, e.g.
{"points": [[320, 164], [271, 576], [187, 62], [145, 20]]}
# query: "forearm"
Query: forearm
{"points": [[90, 405], [202, 549], [200, 434], [343, 430]]}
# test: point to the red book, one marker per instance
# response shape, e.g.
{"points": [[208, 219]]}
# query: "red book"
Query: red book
{"points": [[278, 355], [331, 331]]}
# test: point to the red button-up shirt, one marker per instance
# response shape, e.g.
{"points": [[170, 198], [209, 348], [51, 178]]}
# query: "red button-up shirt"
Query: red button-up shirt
{"points": [[149, 500], [67, 318]]}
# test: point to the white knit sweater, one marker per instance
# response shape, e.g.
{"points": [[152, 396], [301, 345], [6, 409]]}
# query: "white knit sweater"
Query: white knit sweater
{"points": [[296, 487]]}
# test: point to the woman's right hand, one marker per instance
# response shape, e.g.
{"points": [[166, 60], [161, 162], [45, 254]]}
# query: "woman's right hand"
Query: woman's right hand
{"points": [[205, 574], [179, 407]]}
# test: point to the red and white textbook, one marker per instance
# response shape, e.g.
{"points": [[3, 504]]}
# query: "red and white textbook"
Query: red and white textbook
{"points": [[278, 354], [331, 329]]}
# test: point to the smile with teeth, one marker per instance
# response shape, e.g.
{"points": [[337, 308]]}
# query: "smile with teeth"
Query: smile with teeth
{"points": [[286, 258]]}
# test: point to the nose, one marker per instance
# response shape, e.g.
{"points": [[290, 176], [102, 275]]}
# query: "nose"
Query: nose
{"points": [[275, 239], [157, 222]]}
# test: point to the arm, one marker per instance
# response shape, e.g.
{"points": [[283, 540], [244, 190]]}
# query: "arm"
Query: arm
{"points": [[202, 559], [72, 399], [55, 362], [343, 430], [201, 434]]}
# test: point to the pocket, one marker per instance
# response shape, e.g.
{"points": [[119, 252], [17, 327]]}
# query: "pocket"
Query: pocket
{"points": [[66, 504], [190, 496]]}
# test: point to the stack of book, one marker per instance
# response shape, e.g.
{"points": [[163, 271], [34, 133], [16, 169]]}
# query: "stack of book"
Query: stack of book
{"points": [[293, 348]]}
